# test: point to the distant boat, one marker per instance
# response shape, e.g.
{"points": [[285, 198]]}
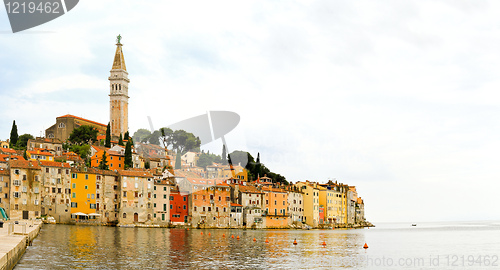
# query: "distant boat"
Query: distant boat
{"points": [[413, 225]]}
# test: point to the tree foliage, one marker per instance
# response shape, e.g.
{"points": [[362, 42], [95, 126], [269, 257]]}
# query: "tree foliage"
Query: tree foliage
{"points": [[83, 135], [255, 169], [120, 141], [103, 165], [178, 162], [141, 134], [129, 163], [179, 140], [82, 150], [13, 135], [108, 136], [207, 159], [22, 141]]}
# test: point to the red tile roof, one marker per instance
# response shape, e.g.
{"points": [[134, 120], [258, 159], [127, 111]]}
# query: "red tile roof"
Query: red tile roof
{"points": [[135, 173], [54, 164], [76, 117], [24, 164], [235, 204]]}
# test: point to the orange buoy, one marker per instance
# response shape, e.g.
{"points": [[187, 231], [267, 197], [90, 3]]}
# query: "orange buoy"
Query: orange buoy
{"points": [[223, 235], [324, 244], [188, 229], [209, 234], [232, 235], [365, 246], [267, 241], [295, 242], [238, 237], [201, 233], [255, 239]]}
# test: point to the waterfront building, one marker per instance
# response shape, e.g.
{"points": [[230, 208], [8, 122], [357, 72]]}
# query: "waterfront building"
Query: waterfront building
{"points": [[327, 199], [295, 205], [360, 211], [251, 200], [236, 215], [107, 196], [136, 197], [161, 201], [311, 202], [56, 190], [25, 187], [83, 194], [276, 205], [4, 189], [179, 206], [210, 203]]}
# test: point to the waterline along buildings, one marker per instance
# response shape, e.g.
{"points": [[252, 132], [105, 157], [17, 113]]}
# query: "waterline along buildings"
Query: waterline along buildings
{"points": [[48, 181]]}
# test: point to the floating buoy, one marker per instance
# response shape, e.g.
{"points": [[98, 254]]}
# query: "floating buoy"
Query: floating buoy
{"points": [[238, 237], [267, 241], [201, 233], [188, 229], [209, 234], [365, 246], [324, 243], [223, 235], [255, 239], [295, 242], [232, 235]]}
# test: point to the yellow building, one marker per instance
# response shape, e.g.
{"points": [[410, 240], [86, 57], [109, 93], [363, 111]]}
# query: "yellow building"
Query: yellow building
{"points": [[83, 193], [328, 199], [311, 202], [239, 172]]}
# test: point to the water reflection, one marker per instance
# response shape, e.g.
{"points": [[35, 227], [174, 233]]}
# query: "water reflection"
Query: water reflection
{"points": [[83, 247]]}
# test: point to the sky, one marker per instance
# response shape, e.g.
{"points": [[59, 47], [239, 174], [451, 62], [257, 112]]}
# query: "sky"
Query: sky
{"points": [[399, 98]]}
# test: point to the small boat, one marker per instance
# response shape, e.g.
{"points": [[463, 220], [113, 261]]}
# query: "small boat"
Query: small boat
{"points": [[414, 225]]}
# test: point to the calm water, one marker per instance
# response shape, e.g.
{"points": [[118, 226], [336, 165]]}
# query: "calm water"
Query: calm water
{"points": [[464, 245]]}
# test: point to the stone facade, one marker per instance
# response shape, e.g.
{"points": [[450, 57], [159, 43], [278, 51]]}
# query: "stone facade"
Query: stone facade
{"points": [[136, 197], [56, 190]]}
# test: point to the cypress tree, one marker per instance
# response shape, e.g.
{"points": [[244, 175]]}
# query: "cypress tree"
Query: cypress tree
{"points": [[103, 165], [129, 163], [13, 135], [25, 155], [178, 164], [126, 136], [258, 157], [108, 136], [120, 141]]}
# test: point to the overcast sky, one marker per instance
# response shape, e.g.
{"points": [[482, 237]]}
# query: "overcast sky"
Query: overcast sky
{"points": [[399, 98]]}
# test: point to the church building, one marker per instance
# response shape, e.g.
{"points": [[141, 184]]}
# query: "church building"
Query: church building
{"points": [[118, 105]]}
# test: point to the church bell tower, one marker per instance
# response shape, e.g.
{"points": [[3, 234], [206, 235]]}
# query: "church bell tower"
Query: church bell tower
{"points": [[118, 97]]}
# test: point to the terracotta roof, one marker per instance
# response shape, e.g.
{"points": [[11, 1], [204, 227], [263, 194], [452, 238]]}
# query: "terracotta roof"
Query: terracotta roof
{"points": [[249, 189], [76, 117], [271, 189], [8, 150], [5, 158], [235, 204], [54, 164], [24, 164], [135, 173]]}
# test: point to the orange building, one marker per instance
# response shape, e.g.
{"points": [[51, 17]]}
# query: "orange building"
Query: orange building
{"points": [[275, 205], [210, 204], [115, 159]]}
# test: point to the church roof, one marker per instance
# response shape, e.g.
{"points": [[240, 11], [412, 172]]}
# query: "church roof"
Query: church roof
{"points": [[119, 62]]}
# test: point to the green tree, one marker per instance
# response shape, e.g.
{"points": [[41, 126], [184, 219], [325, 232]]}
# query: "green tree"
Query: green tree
{"points": [[120, 141], [25, 155], [147, 165], [258, 158], [178, 162], [107, 143], [103, 165], [141, 134], [184, 141], [83, 135], [166, 136], [128, 156], [206, 159], [13, 135], [126, 136], [82, 150], [22, 141]]}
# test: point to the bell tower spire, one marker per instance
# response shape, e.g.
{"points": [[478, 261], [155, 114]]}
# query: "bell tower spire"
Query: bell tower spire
{"points": [[118, 96]]}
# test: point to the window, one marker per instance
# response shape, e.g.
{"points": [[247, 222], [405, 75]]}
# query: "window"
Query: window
{"points": [[16, 171], [25, 189], [124, 215], [136, 194], [124, 184], [74, 195], [164, 188], [86, 187], [86, 177], [47, 170], [171, 197], [17, 195], [74, 185], [17, 183], [184, 198], [74, 204], [24, 176], [124, 194], [74, 175], [92, 205], [171, 207]]}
